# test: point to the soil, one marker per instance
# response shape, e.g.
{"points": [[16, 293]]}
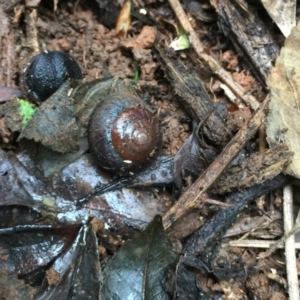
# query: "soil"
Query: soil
{"points": [[76, 28]]}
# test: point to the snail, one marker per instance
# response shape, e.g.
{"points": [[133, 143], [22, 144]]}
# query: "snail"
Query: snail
{"points": [[123, 134], [46, 72]]}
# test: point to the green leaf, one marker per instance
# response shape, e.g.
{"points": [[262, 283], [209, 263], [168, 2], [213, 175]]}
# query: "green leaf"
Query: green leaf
{"points": [[138, 270], [182, 42], [27, 110], [136, 74]]}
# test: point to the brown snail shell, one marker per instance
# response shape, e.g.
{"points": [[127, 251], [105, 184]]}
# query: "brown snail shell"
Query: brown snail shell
{"points": [[123, 134]]}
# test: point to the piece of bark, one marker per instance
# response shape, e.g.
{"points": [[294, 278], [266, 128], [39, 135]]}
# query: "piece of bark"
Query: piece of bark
{"points": [[192, 221], [195, 99], [249, 35], [256, 169]]}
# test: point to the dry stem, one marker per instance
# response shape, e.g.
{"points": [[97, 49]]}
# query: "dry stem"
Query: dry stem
{"points": [[290, 256]]}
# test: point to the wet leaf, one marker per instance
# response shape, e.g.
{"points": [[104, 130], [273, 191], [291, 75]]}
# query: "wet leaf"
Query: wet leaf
{"points": [[190, 161], [75, 275], [26, 248], [21, 183], [49, 161], [54, 124], [284, 84], [187, 285], [11, 190], [141, 265], [15, 215]]}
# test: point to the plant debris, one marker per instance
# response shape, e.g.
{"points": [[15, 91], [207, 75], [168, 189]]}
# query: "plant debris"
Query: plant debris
{"points": [[66, 224]]}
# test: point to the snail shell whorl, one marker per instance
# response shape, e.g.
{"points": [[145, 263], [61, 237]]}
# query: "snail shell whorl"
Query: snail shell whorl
{"points": [[123, 134]]}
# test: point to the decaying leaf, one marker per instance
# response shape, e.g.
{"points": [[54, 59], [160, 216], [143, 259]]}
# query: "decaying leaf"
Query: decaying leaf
{"points": [[191, 160], [22, 184], [140, 267], [283, 14], [15, 114], [58, 129], [282, 123], [75, 275], [28, 247], [124, 20]]}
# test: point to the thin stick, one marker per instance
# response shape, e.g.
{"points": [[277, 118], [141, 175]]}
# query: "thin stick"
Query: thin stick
{"points": [[290, 257], [280, 242], [192, 198], [214, 64], [257, 244], [216, 202], [31, 29]]}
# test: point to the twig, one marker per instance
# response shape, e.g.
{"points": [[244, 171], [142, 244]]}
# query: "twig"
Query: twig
{"points": [[216, 202], [192, 197], [257, 244], [214, 65], [290, 257], [280, 242], [18, 13], [31, 30], [249, 225]]}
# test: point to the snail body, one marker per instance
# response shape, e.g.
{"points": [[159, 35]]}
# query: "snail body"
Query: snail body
{"points": [[123, 134]]}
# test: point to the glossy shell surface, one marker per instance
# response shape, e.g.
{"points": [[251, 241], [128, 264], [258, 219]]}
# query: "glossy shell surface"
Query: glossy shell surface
{"points": [[123, 134]]}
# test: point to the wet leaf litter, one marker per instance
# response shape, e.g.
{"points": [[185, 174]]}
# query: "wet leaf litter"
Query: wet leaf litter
{"points": [[47, 168]]}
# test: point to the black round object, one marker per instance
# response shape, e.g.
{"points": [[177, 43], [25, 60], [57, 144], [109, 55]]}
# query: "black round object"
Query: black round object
{"points": [[46, 72]]}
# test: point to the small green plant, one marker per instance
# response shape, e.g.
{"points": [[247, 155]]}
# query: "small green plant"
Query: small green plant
{"points": [[27, 110]]}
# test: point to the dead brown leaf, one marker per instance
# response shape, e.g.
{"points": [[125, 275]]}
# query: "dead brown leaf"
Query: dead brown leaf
{"points": [[282, 123]]}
